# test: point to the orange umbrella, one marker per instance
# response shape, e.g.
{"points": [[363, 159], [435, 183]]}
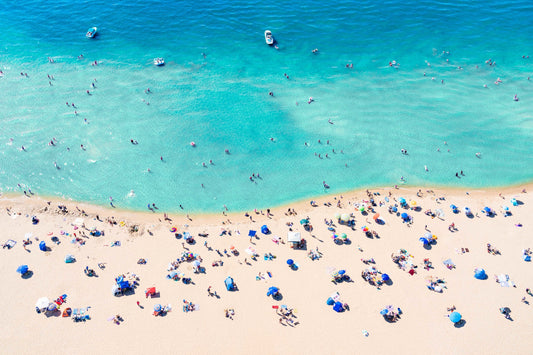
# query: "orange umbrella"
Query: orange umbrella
{"points": [[376, 216]]}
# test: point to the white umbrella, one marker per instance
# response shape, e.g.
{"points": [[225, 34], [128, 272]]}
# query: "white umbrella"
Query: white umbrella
{"points": [[78, 222], [42, 302], [114, 289], [345, 217], [250, 251], [196, 263]]}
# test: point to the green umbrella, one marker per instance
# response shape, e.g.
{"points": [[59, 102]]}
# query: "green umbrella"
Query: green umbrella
{"points": [[344, 236]]}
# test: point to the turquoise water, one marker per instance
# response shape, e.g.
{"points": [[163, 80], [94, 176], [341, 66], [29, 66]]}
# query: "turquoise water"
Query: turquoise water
{"points": [[221, 100]]}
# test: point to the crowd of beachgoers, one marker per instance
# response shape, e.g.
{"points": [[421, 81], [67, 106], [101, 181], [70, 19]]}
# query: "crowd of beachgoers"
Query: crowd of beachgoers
{"points": [[144, 265]]}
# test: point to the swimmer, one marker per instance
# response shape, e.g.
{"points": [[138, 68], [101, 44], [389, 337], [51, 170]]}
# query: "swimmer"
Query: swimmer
{"points": [[57, 166], [22, 148], [271, 139], [515, 98], [426, 168], [82, 147], [226, 151], [204, 165], [310, 100], [271, 93], [330, 121], [147, 91], [478, 155], [211, 162], [315, 50]]}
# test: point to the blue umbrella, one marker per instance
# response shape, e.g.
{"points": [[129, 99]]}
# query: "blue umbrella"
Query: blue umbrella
{"points": [[402, 200], [424, 240], [22, 269], [394, 209], [42, 246], [385, 277], [384, 311], [272, 290], [453, 207], [486, 209], [455, 317], [290, 262], [386, 199], [342, 272], [157, 308], [405, 216]]}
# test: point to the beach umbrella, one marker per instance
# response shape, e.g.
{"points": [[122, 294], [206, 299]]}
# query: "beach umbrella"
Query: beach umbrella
{"points": [[42, 302], [196, 263], [157, 308], [385, 277], [342, 272], [480, 274], [413, 203], [439, 213], [364, 229], [424, 240], [337, 215], [173, 230], [344, 236], [290, 262], [304, 221], [264, 229], [361, 208], [173, 274], [455, 317], [337, 307], [251, 233], [384, 311], [428, 235], [453, 207], [487, 209], [272, 290], [22, 269], [386, 199], [405, 216], [514, 201], [51, 307], [42, 246], [467, 211], [376, 216], [505, 208], [402, 200], [394, 209], [345, 217]]}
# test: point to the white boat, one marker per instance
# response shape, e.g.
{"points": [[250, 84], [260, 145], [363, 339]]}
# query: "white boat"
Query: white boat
{"points": [[91, 32], [268, 38], [159, 62]]}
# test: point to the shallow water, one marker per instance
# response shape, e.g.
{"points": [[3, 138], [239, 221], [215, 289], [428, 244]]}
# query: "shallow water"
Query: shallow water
{"points": [[221, 101]]}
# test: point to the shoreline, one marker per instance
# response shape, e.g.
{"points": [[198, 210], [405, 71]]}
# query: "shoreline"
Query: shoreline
{"points": [[16, 197]]}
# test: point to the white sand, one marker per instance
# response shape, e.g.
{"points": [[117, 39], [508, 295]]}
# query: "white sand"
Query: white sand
{"points": [[423, 327]]}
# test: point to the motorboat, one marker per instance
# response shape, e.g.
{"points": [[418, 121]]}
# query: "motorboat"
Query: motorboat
{"points": [[91, 32], [158, 62], [268, 38]]}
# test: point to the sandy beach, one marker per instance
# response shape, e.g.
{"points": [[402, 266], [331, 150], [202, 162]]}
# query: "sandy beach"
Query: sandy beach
{"points": [[313, 326]]}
